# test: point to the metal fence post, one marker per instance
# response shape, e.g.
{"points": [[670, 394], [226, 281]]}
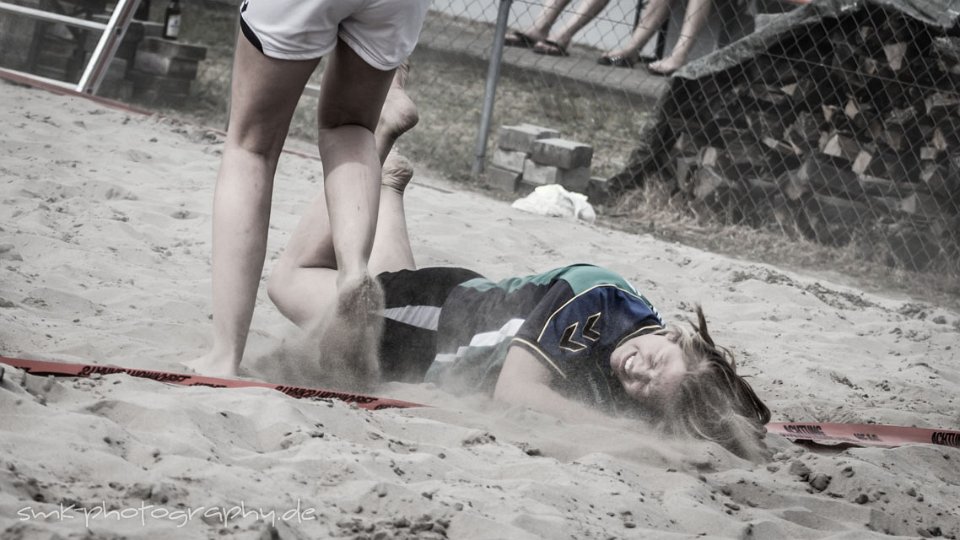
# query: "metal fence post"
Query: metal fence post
{"points": [[493, 74], [107, 46]]}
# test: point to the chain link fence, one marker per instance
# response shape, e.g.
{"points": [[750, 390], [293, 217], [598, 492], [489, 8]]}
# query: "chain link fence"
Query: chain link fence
{"points": [[831, 124]]}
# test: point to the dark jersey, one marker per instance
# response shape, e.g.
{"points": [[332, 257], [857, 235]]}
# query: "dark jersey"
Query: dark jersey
{"points": [[571, 318]]}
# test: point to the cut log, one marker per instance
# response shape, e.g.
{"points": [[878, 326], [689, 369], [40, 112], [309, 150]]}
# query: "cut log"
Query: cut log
{"points": [[878, 187], [920, 203], [947, 49], [834, 220], [829, 175], [941, 103], [862, 163], [841, 145], [942, 181], [896, 54]]}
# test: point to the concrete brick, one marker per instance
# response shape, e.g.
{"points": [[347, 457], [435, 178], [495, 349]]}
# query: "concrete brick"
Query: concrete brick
{"points": [[119, 89], [502, 179], [509, 159], [173, 49], [143, 81], [158, 64], [519, 138], [561, 153], [572, 179]]}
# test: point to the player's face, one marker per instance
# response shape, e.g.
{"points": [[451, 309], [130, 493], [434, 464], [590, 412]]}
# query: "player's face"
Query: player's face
{"points": [[649, 367]]}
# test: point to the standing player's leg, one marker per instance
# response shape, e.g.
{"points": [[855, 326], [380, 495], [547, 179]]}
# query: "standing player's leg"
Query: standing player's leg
{"points": [[351, 98], [303, 283], [263, 97]]}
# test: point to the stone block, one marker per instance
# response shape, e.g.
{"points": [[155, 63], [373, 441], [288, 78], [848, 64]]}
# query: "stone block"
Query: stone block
{"points": [[572, 179], [151, 29], [520, 138], [160, 84], [509, 159], [173, 49], [503, 179], [119, 89], [561, 153], [158, 64]]}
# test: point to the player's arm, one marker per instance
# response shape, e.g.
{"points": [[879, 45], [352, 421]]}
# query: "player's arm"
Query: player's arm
{"points": [[525, 381]]}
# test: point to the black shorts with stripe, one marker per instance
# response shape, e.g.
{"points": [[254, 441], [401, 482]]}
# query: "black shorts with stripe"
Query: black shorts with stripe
{"points": [[412, 302]]}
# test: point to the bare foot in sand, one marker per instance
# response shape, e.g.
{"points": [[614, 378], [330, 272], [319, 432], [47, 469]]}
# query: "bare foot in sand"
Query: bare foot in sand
{"points": [[213, 365], [397, 173], [350, 339], [399, 113]]}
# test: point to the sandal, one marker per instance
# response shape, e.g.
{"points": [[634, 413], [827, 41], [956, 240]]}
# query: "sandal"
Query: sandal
{"points": [[515, 38], [617, 61], [550, 48], [658, 72]]}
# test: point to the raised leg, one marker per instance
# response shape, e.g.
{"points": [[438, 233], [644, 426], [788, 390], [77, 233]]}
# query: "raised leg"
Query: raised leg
{"points": [[264, 95], [304, 282]]}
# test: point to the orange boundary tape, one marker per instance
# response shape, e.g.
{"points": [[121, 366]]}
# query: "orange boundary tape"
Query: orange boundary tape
{"points": [[864, 434], [816, 432], [46, 367]]}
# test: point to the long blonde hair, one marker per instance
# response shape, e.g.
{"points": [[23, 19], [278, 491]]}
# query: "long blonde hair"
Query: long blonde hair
{"points": [[712, 401]]}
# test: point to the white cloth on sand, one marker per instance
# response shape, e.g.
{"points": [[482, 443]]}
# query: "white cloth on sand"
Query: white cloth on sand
{"points": [[554, 200]]}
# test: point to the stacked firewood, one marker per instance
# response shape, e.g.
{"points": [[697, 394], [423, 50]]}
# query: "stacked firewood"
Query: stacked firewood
{"points": [[846, 127]]}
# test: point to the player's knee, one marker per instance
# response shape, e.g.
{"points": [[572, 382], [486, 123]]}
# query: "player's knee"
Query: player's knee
{"points": [[332, 118], [262, 140], [278, 285]]}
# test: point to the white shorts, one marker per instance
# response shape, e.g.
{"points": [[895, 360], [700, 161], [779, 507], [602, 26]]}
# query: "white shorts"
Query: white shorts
{"points": [[382, 32]]}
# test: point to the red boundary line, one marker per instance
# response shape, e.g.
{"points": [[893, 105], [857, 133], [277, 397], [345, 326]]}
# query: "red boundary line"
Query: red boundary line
{"points": [[816, 432], [46, 367], [864, 434]]}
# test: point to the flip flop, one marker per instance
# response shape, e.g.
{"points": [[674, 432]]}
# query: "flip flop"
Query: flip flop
{"points": [[617, 61], [657, 72], [515, 38], [550, 48]]}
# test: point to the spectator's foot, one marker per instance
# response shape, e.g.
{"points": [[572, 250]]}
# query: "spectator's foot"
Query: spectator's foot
{"points": [[399, 113], [397, 173], [664, 67], [351, 337], [213, 365], [550, 48], [626, 60], [515, 38]]}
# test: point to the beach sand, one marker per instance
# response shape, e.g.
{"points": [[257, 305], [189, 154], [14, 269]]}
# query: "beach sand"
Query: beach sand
{"points": [[104, 258]]}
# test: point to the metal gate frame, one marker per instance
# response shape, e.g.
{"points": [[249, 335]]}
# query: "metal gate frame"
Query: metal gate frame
{"points": [[96, 68]]}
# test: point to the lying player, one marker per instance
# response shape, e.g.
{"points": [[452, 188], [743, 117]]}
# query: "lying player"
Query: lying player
{"points": [[576, 342]]}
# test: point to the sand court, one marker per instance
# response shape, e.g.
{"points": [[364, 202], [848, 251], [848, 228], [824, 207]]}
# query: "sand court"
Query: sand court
{"points": [[105, 220]]}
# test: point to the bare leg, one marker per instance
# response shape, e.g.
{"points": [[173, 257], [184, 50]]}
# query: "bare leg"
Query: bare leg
{"points": [[351, 99], [693, 20], [304, 283], [264, 95], [586, 11], [655, 12], [549, 13]]}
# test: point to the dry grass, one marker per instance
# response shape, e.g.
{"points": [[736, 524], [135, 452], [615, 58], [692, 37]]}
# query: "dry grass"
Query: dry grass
{"points": [[450, 93]]}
